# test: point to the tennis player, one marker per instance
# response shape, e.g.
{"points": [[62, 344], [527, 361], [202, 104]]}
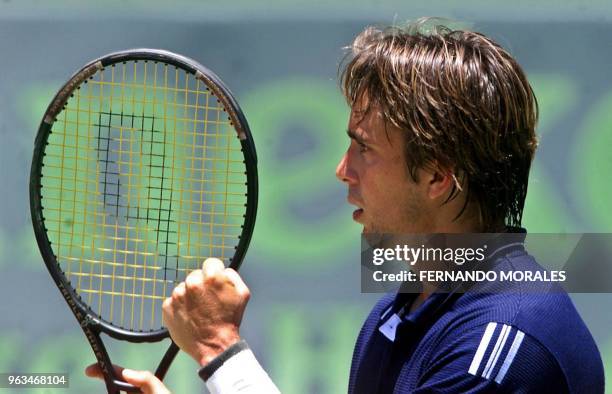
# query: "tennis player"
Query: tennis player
{"points": [[442, 136]]}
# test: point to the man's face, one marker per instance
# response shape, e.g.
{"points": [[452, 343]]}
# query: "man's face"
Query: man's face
{"points": [[375, 171]]}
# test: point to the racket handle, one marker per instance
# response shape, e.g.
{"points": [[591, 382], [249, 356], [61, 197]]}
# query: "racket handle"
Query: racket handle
{"points": [[124, 386], [164, 364], [160, 372]]}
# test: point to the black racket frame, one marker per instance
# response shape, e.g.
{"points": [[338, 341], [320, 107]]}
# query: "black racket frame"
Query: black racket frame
{"points": [[89, 321]]}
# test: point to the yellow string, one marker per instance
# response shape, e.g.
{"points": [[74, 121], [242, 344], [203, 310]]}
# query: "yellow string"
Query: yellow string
{"points": [[118, 192], [171, 186], [174, 146], [76, 166], [144, 268], [86, 193], [110, 264], [205, 145], [106, 171], [108, 276], [195, 119], [154, 177], [93, 240], [125, 262], [225, 214], [145, 244], [193, 145], [212, 220], [112, 226], [182, 119], [133, 295], [142, 86]]}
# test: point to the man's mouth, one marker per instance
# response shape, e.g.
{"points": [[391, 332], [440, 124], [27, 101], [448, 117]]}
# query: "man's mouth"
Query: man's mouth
{"points": [[357, 213]]}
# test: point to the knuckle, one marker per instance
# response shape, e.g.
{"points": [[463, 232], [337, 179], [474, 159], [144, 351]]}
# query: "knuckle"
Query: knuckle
{"points": [[194, 280], [231, 271], [213, 280], [179, 291], [191, 282], [232, 276]]}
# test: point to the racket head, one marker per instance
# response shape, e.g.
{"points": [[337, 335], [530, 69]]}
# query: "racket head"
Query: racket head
{"points": [[213, 181]]}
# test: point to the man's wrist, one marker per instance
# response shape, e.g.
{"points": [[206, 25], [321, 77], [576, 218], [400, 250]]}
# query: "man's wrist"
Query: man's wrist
{"points": [[209, 351], [214, 364]]}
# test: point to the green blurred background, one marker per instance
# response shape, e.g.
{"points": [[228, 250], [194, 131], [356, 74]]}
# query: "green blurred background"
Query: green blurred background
{"points": [[281, 58]]}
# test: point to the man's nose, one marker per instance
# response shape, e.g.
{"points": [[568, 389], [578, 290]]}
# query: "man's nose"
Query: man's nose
{"points": [[344, 173]]}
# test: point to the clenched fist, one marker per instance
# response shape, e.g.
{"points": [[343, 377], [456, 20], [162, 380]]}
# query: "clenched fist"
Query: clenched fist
{"points": [[204, 313]]}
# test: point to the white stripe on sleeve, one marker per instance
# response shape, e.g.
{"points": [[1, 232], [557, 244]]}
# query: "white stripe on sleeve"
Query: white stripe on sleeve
{"points": [[516, 344], [504, 336], [482, 348], [494, 351]]}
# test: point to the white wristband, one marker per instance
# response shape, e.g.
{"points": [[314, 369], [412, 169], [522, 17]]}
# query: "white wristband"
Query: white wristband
{"points": [[242, 374]]}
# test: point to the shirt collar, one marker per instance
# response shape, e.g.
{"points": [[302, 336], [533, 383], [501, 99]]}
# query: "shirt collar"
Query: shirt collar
{"points": [[500, 245]]}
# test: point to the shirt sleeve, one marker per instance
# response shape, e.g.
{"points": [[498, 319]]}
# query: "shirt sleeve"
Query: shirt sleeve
{"points": [[492, 358], [237, 371]]}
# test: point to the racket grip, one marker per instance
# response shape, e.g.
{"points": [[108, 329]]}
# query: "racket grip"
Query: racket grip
{"points": [[124, 386], [160, 372]]}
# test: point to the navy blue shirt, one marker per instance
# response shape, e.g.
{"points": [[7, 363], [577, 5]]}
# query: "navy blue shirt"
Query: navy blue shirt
{"points": [[478, 342]]}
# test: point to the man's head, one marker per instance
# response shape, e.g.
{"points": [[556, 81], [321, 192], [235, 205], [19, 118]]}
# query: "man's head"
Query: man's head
{"points": [[450, 119]]}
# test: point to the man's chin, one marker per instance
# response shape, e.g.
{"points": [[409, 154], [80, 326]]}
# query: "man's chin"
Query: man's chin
{"points": [[368, 230], [374, 240]]}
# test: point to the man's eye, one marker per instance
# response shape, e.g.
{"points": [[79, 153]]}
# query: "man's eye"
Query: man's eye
{"points": [[362, 147]]}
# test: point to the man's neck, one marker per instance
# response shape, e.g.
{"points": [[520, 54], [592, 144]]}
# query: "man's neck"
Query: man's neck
{"points": [[419, 300]]}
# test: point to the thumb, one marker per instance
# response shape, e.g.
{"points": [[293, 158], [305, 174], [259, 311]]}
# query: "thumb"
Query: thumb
{"points": [[145, 381]]}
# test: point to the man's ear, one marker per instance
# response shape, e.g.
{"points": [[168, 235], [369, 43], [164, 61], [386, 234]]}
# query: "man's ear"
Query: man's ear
{"points": [[440, 182]]}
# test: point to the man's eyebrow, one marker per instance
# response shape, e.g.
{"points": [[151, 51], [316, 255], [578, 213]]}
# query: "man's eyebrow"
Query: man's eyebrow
{"points": [[359, 138]]}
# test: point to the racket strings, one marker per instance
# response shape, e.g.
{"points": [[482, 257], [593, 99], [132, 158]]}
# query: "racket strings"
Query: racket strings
{"points": [[143, 178]]}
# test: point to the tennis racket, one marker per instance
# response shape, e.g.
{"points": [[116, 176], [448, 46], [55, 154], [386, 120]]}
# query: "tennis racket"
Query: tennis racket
{"points": [[143, 166]]}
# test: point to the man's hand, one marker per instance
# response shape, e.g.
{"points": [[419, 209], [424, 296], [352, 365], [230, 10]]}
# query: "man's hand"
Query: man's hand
{"points": [[204, 313], [144, 380]]}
